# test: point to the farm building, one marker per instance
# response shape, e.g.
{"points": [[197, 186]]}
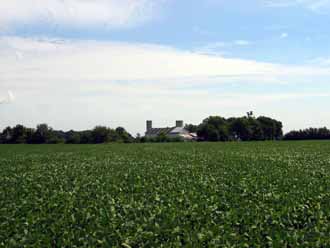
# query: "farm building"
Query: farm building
{"points": [[178, 131]]}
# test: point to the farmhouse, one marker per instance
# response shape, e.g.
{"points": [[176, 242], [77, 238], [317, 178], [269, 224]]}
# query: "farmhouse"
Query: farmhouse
{"points": [[178, 131]]}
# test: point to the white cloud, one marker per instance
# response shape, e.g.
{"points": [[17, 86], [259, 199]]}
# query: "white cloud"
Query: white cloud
{"points": [[9, 98], [79, 84], [320, 61], [284, 35], [220, 47], [314, 5], [113, 61], [76, 13], [242, 42]]}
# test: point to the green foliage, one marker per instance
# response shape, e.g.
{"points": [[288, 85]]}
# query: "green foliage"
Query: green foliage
{"points": [[270, 194], [19, 135], [73, 137], [309, 134], [247, 128], [101, 134], [44, 134], [123, 135], [191, 128], [271, 128], [160, 138]]}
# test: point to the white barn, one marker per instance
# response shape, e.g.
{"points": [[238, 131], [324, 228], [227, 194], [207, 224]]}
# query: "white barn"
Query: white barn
{"points": [[172, 132]]}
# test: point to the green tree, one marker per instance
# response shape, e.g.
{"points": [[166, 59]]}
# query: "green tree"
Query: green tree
{"points": [[123, 135], [191, 128], [73, 137], [18, 135], [42, 135], [86, 137], [240, 129], [6, 135], [161, 137], [100, 134], [272, 129], [213, 128]]}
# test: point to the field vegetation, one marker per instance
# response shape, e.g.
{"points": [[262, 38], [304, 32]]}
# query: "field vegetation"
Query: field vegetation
{"points": [[257, 194]]}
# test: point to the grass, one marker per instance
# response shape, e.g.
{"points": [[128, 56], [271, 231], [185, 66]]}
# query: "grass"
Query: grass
{"points": [[266, 194]]}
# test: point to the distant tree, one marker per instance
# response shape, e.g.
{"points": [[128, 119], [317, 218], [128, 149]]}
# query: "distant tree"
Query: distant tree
{"points": [[272, 129], [73, 137], [54, 139], [100, 134], [6, 135], [46, 135], [212, 133], [249, 114], [138, 138], [113, 136], [213, 128], [42, 135], [29, 135], [191, 128], [143, 139], [175, 139], [18, 135], [86, 137], [123, 135], [161, 137], [216, 128], [255, 129], [308, 134], [240, 129]]}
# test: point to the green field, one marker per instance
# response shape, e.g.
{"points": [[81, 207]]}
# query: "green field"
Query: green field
{"points": [[267, 194]]}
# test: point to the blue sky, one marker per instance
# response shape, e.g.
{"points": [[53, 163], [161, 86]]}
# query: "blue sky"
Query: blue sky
{"points": [[120, 62], [294, 33]]}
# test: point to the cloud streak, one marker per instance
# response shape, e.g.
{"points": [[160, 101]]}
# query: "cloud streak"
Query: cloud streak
{"points": [[86, 81], [76, 13], [38, 61], [284, 35], [320, 61], [7, 99], [314, 5], [46, 60]]}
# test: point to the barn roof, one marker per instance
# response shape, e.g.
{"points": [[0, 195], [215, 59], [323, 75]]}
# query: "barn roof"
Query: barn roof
{"points": [[178, 130], [156, 131]]}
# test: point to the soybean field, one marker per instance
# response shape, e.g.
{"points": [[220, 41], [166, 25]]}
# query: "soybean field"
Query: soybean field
{"points": [[258, 194]]}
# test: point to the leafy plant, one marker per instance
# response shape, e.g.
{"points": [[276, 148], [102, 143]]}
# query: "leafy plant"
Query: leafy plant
{"points": [[270, 194]]}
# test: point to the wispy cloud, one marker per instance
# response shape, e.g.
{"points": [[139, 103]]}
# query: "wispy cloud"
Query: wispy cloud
{"points": [[284, 35], [37, 60], [76, 13], [315, 5], [220, 47], [242, 42], [111, 60], [92, 78], [8, 98], [320, 61]]}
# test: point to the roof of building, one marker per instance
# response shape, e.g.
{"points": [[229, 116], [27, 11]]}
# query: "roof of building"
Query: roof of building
{"points": [[156, 131], [178, 130], [167, 130]]}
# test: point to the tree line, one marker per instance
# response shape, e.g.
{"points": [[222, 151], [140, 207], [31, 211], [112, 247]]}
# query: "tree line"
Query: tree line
{"points": [[247, 128], [43, 134], [213, 128], [308, 134]]}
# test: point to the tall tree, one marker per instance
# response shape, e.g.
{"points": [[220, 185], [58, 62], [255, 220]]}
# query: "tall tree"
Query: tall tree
{"points": [[213, 128], [100, 134], [19, 134]]}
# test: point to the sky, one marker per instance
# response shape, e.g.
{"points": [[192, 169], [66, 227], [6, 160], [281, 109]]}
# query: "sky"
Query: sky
{"points": [[75, 64]]}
